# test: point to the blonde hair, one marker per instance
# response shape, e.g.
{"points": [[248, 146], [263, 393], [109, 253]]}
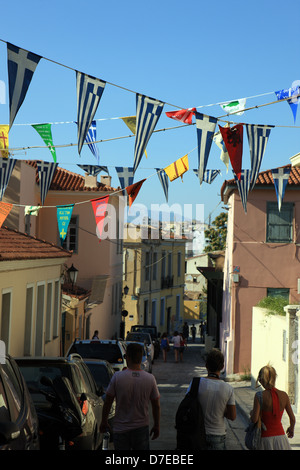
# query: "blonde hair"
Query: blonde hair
{"points": [[267, 376]]}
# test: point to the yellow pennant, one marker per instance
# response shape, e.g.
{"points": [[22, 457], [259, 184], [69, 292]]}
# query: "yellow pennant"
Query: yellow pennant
{"points": [[177, 168], [4, 140], [130, 122]]}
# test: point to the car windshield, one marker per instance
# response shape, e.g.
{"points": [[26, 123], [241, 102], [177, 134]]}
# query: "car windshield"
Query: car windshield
{"points": [[97, 350], [100, 374], [139, 337]]}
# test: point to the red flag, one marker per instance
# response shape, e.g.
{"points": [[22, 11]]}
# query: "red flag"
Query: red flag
{"points": [[133, 190], [184, 115], [233, 140], [99, 207], [5, 209]]}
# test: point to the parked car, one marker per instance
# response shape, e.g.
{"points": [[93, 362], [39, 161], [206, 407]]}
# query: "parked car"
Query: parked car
{"points": [[140, 337], [18, 417], [84, 386], [146, 364], [152, 330], [112, 351]]}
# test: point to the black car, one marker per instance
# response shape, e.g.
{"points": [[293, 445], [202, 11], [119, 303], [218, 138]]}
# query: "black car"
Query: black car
{"points": [[18, 417], [152, 330], [74, 369]]}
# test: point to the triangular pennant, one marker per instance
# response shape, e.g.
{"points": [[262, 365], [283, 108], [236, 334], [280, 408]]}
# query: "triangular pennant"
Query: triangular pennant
{"points": [[133, 191], [99, 207], [237, 106], [93, 170], [294, 90], [89, 92], [6, 168], [209, 175], [4, 129], [243, 184], [183, 115], [177, 168], [130, 122], [21, 67], [148, 112], [44, 131], [46, 172], [280, 177], [64, 214], [5, 209], [218, 140], [258, 138], [205, 131], [126, 176], [164, 179], [233, 140], [91, 138], [32, 210]]}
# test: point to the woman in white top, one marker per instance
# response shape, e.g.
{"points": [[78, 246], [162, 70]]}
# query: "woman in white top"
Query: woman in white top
{"points": [[176, 344]]}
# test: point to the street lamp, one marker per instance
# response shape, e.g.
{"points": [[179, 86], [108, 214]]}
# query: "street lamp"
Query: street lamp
{"points": [[126, 290], [73, 272]]}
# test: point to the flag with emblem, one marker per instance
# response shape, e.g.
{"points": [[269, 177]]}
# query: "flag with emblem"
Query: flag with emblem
{"points": [[291, 92], [164, 180], [21, 66], [46, 172], [280, 178], [44, 130], [99, 207], [177, 168], [133, 191], [6, 168], [130, 122], [148, 111], [205, 132], [258, 138], [243, 184], [233, 140], [218, 140], [183, 115], [234, 107], [4, 129], [89, 93], [63, 214], [125, 175]]}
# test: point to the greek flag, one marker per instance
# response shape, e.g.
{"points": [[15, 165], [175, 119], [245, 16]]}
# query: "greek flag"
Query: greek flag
{"points": [[6, 168], [148, 112], [258, 138], [125, 175], [164, 179], [243, 185], [209, 175], [280, 177], [21, 67], [205, 132], [46, 172], [93, 170], [89, 92], [91, 138]]}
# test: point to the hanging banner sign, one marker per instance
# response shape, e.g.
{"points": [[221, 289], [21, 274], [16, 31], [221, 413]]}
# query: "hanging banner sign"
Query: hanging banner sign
{"points": [[63, 219], [45, 132], [177, 168], [99, 208], [233, 140], [5, 209]]}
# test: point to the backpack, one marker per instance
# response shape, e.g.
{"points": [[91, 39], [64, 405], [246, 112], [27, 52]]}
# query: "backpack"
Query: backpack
{"points": [[189, 421]]}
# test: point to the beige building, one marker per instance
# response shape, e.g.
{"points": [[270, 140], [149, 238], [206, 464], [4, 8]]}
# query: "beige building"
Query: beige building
{"points": [[154, 275]]}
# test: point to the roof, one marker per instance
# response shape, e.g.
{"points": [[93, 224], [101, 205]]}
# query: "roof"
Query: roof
{"points": [[265, 178], [15, 245], [64, 180]]}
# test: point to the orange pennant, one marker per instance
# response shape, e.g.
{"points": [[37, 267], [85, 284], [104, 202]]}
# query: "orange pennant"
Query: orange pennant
{"points": [[133, 190], [5, 209]]}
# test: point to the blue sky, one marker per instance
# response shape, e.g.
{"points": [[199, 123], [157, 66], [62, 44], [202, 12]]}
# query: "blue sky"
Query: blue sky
{"points": [[187, 54]]}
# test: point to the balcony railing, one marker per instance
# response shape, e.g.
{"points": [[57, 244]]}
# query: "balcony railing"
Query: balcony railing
{"points": [[167, 282]]}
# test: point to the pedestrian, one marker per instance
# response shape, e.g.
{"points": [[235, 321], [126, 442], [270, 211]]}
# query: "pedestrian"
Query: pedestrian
{"points": [[185, 331], [95, 335], [176, 344], [164, 345], [274, 402], [182, 346], [201, 332], [193, 332], [217, 400], [133, 389]]}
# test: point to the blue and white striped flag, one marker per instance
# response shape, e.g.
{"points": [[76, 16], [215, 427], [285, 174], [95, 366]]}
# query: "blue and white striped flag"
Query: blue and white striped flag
{"points": [[205, 132], [280, 177], [209, 175], [243, 186], [6, 168], [91, 138], [21, 67], [89, 92], [164, 179], [126, 175], [93, 170], [258, 138], [148, 112], [46, 172]]}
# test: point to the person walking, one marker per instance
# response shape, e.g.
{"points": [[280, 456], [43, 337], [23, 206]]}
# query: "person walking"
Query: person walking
{"points": [[193, 332], [217, 400], [164, 345], [96, 334], [133, 389], [182, 346], [185, 331], [274, 403], [176, 344]]}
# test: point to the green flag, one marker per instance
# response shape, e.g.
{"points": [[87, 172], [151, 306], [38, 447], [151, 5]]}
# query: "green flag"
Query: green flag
{"points": [[45, 132]]}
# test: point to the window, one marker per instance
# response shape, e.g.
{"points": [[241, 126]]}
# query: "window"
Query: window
{"points": [[56, 309], [6, 317], [177, 307], [49, 311], [28, 320], [154, 267], [179, 263], [40, 308], [273, 292], [280, 224], [71, 240], [162, 311], [153, 312], [148, 267]]}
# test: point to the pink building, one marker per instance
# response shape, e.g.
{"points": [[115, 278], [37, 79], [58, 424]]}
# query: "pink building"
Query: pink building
{"points": [[262, 259]]}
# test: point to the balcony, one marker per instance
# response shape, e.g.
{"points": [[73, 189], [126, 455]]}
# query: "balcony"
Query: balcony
{"points": [[167, 282]]}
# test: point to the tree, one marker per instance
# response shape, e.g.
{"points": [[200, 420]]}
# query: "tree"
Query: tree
{"points": [[216, 234]]}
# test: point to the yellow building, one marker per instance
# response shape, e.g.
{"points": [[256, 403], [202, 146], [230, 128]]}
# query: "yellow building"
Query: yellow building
{"points": [[154, 269]]}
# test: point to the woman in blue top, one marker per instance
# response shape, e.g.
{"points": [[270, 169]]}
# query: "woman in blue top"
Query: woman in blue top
{"points": [[164, 344]]}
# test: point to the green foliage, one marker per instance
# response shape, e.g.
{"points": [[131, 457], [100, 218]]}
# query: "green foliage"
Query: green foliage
{"points": [[216, 234], [274, 304]]}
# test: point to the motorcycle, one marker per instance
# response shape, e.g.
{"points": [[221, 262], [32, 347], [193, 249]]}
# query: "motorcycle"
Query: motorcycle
{"points": [[60, 423]]}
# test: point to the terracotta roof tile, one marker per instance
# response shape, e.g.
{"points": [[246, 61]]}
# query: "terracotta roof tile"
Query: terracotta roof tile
{"points": [[15, 245]]}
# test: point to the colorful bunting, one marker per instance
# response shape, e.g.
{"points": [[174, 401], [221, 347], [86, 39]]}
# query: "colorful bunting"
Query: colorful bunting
{"points": [[234, 106], [280, 177], [125, 175], [177, 168], [4, 129], [258, 138], [32, 210], [63, 219], [243, 184], [5, 209], [184, 115], [6, 168], [45, 132], [233, 140], [93, 170], [99, 207], [148, 112], [209, 175], [294, 90], [205, 131], [133, 191], [164, 179], [21, 67], [46, 172], [89, 93]]}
